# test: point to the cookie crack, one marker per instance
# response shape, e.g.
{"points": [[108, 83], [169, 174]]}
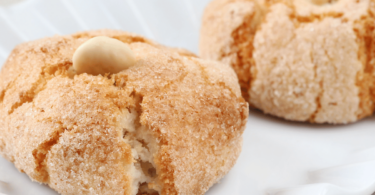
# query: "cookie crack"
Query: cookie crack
{"points": [[244, 112], [205, 77], [242, 48], [48, 73], [317, 102], [321, 86], [365, 79], [121, 82], [169, 184], [3, 92], [313, 17], [40, 153]]}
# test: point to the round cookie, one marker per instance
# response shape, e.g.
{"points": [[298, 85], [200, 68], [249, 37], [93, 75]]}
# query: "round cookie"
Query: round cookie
{"points": [[170, 124], [302, 60]]}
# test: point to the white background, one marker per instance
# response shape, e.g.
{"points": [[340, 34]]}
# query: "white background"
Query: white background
{"points": [[278, 157]]}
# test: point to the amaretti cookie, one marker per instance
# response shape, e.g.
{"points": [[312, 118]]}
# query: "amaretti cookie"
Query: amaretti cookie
{"points": [[302, 60], [167, 123]]}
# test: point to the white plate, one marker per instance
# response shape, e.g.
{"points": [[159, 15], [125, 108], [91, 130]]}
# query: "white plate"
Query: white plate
{"points": [[278, 158]]}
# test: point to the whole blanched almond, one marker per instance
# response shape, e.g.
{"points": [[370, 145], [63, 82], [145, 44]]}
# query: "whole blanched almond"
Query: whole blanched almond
{"points": [[101, 55]]}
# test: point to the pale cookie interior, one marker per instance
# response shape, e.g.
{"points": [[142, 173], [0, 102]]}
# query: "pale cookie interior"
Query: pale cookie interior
{"points": [[104, 55], [144, 147]]}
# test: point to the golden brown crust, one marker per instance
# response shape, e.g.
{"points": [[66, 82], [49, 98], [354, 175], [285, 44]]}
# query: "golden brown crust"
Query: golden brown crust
{"points": [[220, 42], [305, 60], [65, 131], [364, 29]]}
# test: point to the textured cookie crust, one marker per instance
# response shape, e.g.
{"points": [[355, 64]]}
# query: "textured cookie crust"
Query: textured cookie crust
{"points": [[81, 134], [302, 60]]}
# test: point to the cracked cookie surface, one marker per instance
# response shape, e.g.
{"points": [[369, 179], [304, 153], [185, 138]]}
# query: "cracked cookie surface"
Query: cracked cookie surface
{"points": [[300, 60], [171, 124]]}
